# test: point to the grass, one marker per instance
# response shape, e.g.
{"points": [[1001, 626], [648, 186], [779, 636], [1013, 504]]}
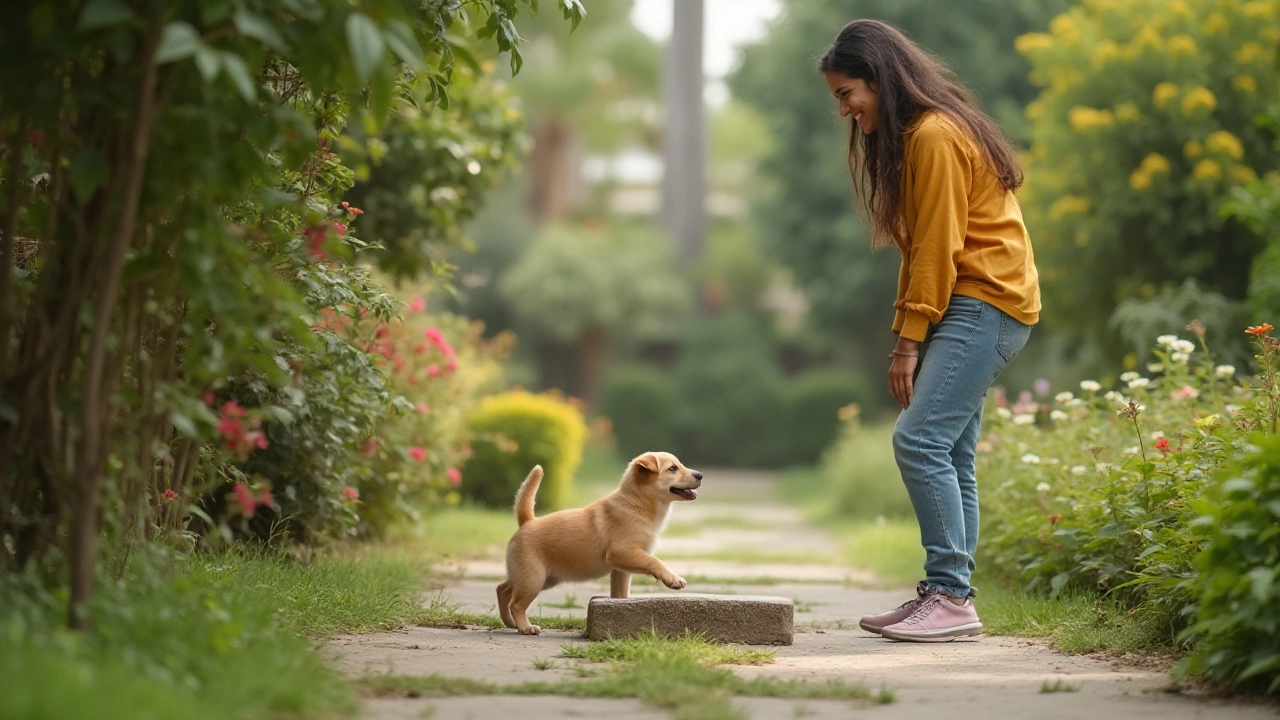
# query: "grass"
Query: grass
{"points": [[570, 602], [686, 676], [1058, 686], [1074, 623], [440, 613]]}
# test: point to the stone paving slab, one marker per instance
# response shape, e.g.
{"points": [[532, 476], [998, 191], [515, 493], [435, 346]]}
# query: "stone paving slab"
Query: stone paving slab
{"points": [[746, 619], [528, 707]]}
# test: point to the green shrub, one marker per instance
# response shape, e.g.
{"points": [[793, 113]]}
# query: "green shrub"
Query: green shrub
{"points": [[640, 401], [813, 401], [861, 469], [1237, 585], [512, 433]]}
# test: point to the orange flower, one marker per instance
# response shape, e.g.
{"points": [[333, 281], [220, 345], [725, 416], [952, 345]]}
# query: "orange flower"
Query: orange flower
{"points": [[1262, 329]]}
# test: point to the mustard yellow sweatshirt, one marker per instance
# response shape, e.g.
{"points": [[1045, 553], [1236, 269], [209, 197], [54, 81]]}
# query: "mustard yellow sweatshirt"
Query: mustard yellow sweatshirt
{"points": [[965, 234]]}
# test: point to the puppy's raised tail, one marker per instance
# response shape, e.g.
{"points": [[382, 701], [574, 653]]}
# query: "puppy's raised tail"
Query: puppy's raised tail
{"points": [[525, 495]]}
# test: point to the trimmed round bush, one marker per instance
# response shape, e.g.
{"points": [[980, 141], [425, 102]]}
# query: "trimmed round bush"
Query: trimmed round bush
{"points": [[813, 400], [639, 401], [511, 433]]}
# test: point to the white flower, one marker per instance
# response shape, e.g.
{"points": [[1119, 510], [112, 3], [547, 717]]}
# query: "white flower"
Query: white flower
{"points": [[1184, 346], [1157, 435], [1232, 409], [1063, 397], [1114, 396], [1004, 412], [1058, 416], [1180, 357], [1225, 371], [1104, 467], [1051, 461], [1077, 402], [1138, 383], [1155, 368], [1078, 469], [1043, 488], [1167, 340], [1090, 385], [1031, 459], [1129, 376], [1024, 419], [1131, 450]]}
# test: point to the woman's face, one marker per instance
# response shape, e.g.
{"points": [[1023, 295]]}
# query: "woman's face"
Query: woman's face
{"points": [[858, 99]]}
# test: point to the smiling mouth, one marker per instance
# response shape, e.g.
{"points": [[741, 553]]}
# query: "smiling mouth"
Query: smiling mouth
{"points": [[685, 493]]}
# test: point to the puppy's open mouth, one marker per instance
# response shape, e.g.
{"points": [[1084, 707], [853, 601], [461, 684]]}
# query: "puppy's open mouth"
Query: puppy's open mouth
{"points": [[685, 493]]}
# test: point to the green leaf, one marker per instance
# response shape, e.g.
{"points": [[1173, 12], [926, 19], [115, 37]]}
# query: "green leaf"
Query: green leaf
{"points": [[179, 41], [209, 62], [573, 12], [239, 73], [102, 13], [517, 61], [183, 425], [400, 39], [1112, 530], [89, 171], [367, 45], [1057, 582], [257, 27]]}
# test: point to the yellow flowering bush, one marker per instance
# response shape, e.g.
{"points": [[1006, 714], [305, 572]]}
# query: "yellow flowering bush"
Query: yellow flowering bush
{"points": [[1147, 117]]}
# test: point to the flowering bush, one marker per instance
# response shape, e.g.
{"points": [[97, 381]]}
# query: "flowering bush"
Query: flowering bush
{"points": [[1106, 489], [517, 430]]}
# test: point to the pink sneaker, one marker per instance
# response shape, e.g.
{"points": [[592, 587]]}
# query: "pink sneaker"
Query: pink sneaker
{"points": [[876, 623], [937, 619]]}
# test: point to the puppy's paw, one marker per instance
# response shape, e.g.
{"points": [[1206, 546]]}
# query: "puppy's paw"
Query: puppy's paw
{"points": [[675, 582], [531, 630]]}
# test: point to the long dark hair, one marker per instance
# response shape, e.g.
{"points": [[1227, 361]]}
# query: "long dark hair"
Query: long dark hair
{"points": [[910, 82]]}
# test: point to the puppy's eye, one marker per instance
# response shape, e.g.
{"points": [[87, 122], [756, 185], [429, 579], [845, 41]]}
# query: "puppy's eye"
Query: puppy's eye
{"points": [[671, 469]]}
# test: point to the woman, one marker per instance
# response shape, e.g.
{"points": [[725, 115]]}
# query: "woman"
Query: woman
{"points": [[936, 178]]}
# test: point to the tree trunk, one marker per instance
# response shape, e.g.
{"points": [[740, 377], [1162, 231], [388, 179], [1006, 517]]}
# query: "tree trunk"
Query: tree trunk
{"points": [[551, 182], [594, 349]]}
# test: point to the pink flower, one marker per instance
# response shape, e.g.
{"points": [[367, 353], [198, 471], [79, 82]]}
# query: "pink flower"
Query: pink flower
{"points": [[434, 335], [208, 398], [423, 408], [265, 498], [316, 236], [168, 495], [244, 498], [352, 494], [342, 229], [451, 365], [418, 453], [433, 370], [417, 304], [454, 475]]}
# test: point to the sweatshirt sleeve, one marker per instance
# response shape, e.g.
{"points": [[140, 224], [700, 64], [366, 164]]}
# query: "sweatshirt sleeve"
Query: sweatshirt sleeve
{"points": [[939, 189]]}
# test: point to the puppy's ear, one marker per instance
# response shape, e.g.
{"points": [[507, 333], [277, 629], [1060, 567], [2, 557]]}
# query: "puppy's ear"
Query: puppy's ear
{"points": [[648, 461]]}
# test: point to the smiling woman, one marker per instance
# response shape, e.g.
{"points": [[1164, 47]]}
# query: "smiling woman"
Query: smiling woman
{"points": [[936, 178]]}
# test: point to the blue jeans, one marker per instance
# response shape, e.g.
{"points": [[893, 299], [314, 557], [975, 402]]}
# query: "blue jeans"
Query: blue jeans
{"points": [[935, 439]]}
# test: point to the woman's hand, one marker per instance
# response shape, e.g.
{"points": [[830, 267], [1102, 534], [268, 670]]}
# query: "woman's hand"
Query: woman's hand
{"points": [[902, 371]]}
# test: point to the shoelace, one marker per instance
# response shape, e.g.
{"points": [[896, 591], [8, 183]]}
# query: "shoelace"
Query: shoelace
{"points": [[927, 604], [922, 592]]}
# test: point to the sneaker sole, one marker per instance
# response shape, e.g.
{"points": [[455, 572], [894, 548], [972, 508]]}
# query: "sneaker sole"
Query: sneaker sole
{"points": [[870, 629], [946, 635]]}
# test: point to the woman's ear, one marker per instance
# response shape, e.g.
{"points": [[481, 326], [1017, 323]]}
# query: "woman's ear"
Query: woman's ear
{"points": [[874, 86]]}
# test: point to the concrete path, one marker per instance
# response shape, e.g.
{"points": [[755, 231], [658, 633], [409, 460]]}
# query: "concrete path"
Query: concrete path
{"points": [[739, 514]]}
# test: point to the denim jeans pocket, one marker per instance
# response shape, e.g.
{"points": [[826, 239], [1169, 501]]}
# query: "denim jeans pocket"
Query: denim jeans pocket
{"points": [[1013, 337]]}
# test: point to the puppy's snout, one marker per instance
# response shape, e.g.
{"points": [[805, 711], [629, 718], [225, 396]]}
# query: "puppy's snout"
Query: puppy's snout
{"points": [[698, 476]]}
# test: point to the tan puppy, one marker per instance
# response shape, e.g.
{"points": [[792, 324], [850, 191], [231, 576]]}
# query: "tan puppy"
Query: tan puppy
{"points": [[613, 535]]}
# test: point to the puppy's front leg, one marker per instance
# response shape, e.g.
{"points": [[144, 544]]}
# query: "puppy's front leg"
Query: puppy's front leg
{"points": [[620, 584], [636, 560]]}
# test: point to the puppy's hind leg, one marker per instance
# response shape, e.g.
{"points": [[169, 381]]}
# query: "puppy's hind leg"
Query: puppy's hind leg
{"points": [[522, 596], [504, 604], [619, 584]]}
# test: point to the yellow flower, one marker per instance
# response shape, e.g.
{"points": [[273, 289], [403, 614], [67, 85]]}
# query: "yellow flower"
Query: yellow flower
{"points": [[1065, 78], [1258, 9], [1192, 148], [1243, 173], [1084, 119], [1155, 163], [1035, 109], [1127, 112], [1224, 142], [1207, 170], [1107, 51], [1248, 52], [1245, 84], [1140, 180], [1182, 45], [1179, 8], [1148, 37], [1069, 205], [1032, 42], [1208, 422], [1198, 98], [1163, 93], [1215, 23], [1064, 27]]}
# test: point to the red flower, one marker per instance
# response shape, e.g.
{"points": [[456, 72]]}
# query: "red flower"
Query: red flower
{"points": [[244, 498], [422, 408], [454, 475], [168, 495], [433, 370], [352, 494], [1262, 329], [342, 229], [381, 331], [265, 498], [417, 304], [238, 438], [1054, 518], [1163, 445], [451, 365], [208, 398], [316, 236], [349, 208], [418, 453], [434, 335]]}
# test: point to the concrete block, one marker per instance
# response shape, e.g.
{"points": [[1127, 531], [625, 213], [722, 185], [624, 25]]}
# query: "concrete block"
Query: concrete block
{"points": [[748, 619]]}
